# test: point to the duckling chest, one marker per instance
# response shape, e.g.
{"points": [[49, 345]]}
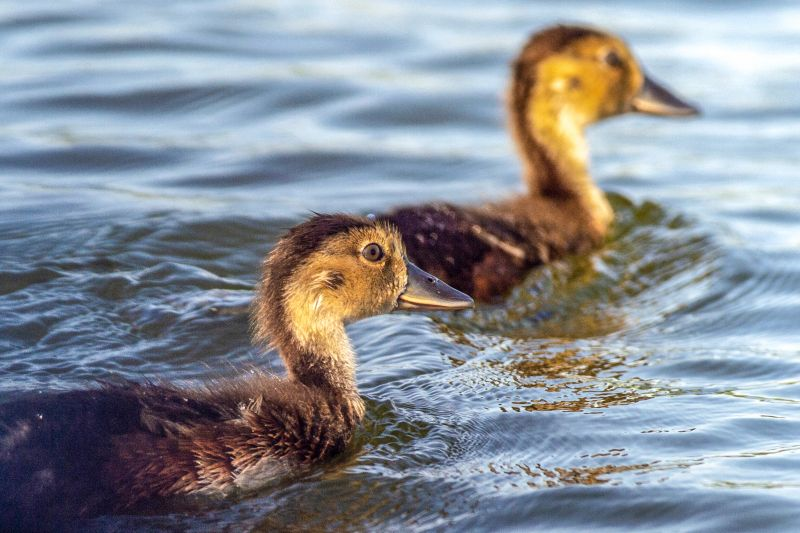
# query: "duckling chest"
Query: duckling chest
{"points": [[258, 441], [300, 433]]}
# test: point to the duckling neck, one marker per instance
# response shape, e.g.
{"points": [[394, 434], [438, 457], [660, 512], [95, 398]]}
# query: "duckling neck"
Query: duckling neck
{"points": [[555, 155], [317, 353]]}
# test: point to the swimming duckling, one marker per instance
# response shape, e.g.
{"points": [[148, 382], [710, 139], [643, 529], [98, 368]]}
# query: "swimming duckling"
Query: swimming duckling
{"points": [[86, 452], [564, 79]]}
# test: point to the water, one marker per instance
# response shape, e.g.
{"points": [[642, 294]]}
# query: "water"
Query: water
{"points": [[152, 152]]}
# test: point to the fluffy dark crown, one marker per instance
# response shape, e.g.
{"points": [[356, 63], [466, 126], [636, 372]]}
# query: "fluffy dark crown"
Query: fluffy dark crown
{"points": [[268, 315]]}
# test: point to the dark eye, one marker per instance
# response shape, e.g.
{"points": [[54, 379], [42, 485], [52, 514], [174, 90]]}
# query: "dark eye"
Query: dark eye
{"points": [[372, 252], [612, 59]]}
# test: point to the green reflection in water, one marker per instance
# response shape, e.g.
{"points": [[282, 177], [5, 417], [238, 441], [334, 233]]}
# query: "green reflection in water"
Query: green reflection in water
{"points": [[576, 379], [542, 476], [651, 265], [568, 337]]}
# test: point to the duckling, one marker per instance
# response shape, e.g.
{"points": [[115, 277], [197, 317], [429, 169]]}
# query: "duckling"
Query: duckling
{"points": [[80, 453], [564, 79]]}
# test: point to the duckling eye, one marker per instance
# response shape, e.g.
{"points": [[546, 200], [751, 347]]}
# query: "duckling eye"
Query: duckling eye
{"points": [[612, 59], [372, 252]]}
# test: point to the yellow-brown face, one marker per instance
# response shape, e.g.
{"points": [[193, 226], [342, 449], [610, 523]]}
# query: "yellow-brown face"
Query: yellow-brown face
{"points": [[354, 274], [593, 77], [339, 268]]}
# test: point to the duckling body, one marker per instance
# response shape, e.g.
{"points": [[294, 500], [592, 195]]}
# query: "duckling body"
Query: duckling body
{"points": [[80, 453], [88, 452], [487, 250], [564, 79]]}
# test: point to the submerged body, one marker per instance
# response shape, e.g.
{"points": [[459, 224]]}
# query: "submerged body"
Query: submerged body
{"points": [[564, 79], [86, 452], [81, 453]]}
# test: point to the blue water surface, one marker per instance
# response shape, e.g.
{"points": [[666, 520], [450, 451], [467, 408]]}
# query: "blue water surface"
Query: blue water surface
{"points": [[152, 152]]}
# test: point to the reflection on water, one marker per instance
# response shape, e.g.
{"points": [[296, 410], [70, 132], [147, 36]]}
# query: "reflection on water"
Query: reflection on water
{"points": [[150, 157], [649, 257], [651, 262], [539, 476], [574, 380]]}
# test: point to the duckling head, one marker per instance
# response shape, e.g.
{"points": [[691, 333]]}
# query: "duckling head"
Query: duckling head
{"points": [[335, 269], [589, 75], [565, 78]]}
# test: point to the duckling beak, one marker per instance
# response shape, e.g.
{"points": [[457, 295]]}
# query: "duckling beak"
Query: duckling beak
{"points": [[425, 292], [655, 99]]}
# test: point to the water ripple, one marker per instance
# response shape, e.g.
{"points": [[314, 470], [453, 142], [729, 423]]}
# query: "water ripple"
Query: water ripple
{"points": [[150, 157]]}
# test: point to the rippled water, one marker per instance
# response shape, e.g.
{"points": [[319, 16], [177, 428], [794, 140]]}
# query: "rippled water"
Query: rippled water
{"points": [[151, 153]]}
